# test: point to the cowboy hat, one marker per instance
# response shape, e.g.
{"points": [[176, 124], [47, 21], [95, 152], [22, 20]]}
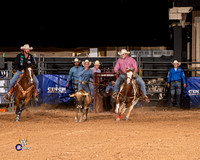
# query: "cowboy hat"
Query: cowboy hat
{"points": [[86, 61], [76, 60], [176, 62], [97, 63], [123, 51], [26, 46]]}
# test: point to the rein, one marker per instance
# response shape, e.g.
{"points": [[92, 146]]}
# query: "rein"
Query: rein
{"points": [[24, 92]]}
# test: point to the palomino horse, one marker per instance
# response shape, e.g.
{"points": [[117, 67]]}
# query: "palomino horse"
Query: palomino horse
{"points": [[128, 95], [23, 90]]}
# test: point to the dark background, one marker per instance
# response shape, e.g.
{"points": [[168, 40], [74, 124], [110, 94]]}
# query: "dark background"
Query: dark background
{"points": [[90, 23]]}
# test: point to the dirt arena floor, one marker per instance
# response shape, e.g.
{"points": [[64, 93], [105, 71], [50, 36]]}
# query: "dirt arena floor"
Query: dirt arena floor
{"points": [[52, 134]]}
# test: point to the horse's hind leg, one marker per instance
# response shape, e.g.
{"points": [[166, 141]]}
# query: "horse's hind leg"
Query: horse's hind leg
{"points": [[130, 109]]}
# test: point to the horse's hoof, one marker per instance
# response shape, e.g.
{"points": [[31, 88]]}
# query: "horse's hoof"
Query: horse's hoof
{"points": [[116, 111], [126, 118], [76, 119]]}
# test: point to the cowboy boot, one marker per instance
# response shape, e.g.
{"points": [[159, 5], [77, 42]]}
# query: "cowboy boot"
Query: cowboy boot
{"points": [[114, 96], [145, 98], [8, 95]]}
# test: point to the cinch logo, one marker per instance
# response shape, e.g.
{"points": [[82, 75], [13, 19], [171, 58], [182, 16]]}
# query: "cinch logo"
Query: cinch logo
{"points": [[56, 90], [193, 92], [19, 147]]}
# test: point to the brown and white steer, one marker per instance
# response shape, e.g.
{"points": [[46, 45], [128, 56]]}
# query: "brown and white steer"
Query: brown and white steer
{"points": [[83, 101]]}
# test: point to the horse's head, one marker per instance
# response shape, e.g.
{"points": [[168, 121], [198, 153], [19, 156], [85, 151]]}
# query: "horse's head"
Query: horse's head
{"points": [[130, 74], [28, 72]]}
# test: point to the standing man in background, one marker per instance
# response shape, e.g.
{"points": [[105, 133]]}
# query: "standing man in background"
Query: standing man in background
{"points": [[174, 82], [85, 75], [73, 75], [91, 85]]}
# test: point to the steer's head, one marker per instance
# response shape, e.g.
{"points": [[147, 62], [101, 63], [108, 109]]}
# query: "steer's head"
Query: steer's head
{"points": [[80, 98]]}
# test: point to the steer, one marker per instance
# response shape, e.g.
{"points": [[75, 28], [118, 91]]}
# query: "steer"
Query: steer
{"points": [[83, 101]]}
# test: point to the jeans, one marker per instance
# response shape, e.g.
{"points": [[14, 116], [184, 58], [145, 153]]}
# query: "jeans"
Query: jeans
{"points": [[86, 87], [16, 76], [175, 88], [75, 86], [91, 85], [121, 79]]}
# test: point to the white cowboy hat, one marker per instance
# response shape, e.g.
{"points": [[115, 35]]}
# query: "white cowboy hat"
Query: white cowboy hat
{"points": [[97, 63], [86, 62], [176, 62], [76, 60], [123, 51], [26, 46]]}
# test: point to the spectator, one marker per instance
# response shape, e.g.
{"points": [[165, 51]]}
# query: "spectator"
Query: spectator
{"points": [[73, 74], [174, 82], [110, 87]]}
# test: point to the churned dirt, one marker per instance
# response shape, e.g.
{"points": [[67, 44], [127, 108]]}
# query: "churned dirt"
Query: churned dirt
{"points": [[52, 134]]}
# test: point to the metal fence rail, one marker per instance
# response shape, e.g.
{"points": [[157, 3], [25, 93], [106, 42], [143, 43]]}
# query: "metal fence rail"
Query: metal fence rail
{"points": [[6, 75]]}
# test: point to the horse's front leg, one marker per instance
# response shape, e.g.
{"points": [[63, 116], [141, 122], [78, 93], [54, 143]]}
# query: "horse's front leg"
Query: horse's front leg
{"points": [[129, 111], [121, 112], [18, 110]]}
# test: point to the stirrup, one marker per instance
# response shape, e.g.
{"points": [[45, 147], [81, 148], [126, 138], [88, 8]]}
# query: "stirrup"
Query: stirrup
{"points": [[7, 96], [146, 99], [114, 95]]}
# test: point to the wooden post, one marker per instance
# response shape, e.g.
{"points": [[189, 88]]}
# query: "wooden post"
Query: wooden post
{"points": [[197, 22], [95, 91]]}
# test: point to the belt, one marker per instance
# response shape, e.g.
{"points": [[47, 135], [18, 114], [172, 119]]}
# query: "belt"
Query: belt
{"points": [[176, 81]]}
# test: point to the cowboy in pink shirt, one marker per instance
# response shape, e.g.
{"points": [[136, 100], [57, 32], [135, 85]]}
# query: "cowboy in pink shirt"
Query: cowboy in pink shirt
{"points": [[122, 64]]}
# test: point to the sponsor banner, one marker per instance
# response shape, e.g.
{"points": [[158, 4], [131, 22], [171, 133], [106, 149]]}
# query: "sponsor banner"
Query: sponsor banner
{"points": [[52, 89], [191, 93]]}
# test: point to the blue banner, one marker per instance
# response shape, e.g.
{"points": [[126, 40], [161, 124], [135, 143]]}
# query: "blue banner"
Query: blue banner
{"points": [[52, 89], [191, 93]]}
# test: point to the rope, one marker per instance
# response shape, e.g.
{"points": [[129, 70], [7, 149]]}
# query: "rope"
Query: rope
{"points": [[84, 82]]}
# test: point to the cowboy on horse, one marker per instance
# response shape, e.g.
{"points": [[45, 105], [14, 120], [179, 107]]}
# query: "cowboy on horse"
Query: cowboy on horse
{"points": [[21, 61], [123, 63]]}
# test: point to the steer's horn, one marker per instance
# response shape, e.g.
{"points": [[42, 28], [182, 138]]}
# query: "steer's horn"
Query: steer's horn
{"points": [[71, 95]]}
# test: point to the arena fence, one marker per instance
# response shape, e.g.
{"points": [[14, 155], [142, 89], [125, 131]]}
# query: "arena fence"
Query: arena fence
{"points": [[5, 76], [149, 68]]}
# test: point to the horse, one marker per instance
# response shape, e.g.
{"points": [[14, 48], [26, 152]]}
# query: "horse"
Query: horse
{"points": [[83, 101], [128, 95], [23, 90]]}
